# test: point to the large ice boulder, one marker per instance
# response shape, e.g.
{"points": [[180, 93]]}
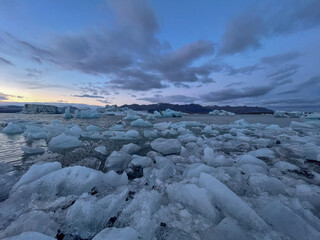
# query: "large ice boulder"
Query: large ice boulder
{"points": [[37, 108], [229, 202], [170, 113], [30, 236], [90, 214], [12, 128], [118, 161], [67, 114], [141, 123], [166, 146], [35, 132], [63, 142]]}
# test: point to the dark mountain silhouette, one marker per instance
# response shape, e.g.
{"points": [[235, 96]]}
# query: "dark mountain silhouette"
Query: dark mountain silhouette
{"points": [[196, 108]]}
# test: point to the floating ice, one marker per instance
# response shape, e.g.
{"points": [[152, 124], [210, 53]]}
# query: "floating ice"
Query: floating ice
{"points": [[92, 128], [63, 142], [221, 113], [67, 114], [166, 146], [12, 128], [141, 123], [170, 113], [34, 132], [131, 117], [130, 148], [101, 149], [161, 126], [150, 133], [30, 151]]}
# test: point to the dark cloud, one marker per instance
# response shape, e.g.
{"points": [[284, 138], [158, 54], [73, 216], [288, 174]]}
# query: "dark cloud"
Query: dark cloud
{"points": [[313, 82], [243, 70], [284, 72], [5, 62], [169, 99], [228, 94], [104, 101], [36, 60], [246, 31], [280, 58], [4, 96], [34, 84], [88, 96]]}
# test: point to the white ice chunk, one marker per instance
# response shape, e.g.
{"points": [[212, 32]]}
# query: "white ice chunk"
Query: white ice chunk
{"points": [[141, 161], [90, 214], [286, 221], [87, 114], [101, 149], [12, 128], [30, 151], [64, 141], [92, 128], [229, 202], [226, 229], [141, 123], [36, 221], [161, 126], [166, 146], [194, 197], [249, 159], [126, 233], [262, 183], [263, 152], [170, 113], [130, 148], [35, 132], [131, 117], [35, 172], [150, 133], [75, 131], [30, 236], [118, 161], [67, 114]]}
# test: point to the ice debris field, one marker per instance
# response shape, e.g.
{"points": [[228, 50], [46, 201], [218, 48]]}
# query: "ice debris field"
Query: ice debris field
{"points": [[142, 179]]}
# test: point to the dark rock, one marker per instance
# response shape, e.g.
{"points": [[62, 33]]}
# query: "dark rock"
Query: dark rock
{"points": [[60, 235], [110, 222], [130, 195], [278, 142], [65, 207], [135, 172], [162, 224], [94, 191], [304, 173], [312, 161]]}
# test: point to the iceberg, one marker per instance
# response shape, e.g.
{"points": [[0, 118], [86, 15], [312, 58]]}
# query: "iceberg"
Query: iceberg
{"points": [[12, 128], [31, 151], [126, 233], [141, 123], [63, 142], [221, 113], [67, 114], [166, 146]]}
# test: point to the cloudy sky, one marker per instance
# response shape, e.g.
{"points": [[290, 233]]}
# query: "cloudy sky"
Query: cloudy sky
{"points": [[264, 53]]}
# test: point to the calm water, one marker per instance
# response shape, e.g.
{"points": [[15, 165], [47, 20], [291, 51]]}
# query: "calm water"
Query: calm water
{"points": [[10, 145]]}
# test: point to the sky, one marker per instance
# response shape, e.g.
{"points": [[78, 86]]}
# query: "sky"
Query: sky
{"points": [[222, 52]]}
